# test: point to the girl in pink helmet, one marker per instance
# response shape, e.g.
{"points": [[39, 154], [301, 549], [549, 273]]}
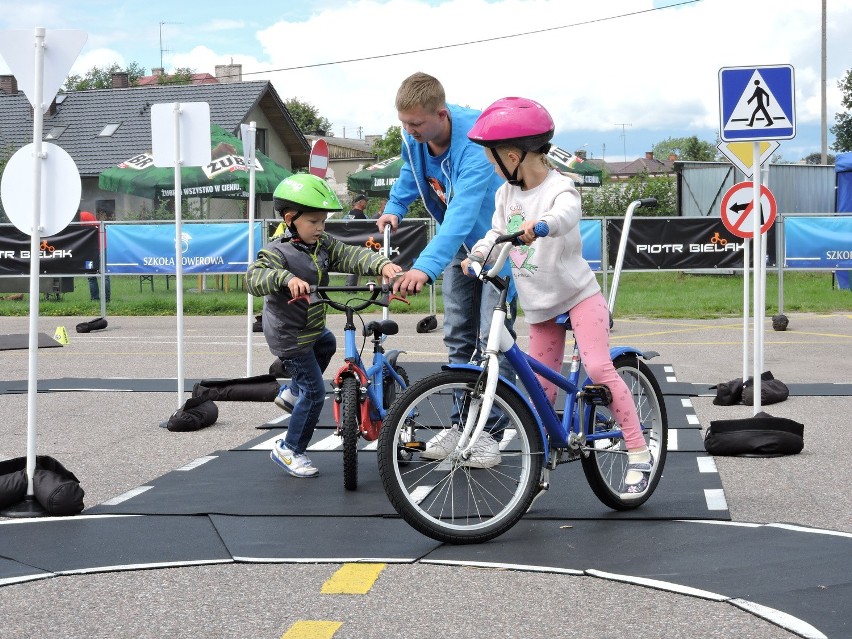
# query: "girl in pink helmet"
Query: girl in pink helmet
{"points": [[550, 273]]}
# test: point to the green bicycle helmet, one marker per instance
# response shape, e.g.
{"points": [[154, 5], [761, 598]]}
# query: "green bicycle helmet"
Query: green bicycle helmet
{"points": [[306, 193]]}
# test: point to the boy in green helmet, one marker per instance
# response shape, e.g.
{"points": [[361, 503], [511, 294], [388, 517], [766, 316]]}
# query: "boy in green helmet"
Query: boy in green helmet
{"points": [[296, 333]]}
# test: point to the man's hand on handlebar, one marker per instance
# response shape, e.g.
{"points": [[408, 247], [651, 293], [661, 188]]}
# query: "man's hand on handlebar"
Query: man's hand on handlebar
{"points": [[384, 220], [411, 282]]}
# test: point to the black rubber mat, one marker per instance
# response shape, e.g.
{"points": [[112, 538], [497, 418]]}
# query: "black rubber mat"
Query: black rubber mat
{"points": [[66, 545], [264, 489], [18, 341], [321, 539], [762, 564]]}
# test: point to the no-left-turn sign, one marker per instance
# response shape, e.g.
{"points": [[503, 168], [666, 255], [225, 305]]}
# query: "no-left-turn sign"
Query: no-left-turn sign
{"points": [[738, 209]]}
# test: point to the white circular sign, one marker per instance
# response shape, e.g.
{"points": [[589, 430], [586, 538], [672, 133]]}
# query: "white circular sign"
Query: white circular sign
{"points": [[60, 189]]}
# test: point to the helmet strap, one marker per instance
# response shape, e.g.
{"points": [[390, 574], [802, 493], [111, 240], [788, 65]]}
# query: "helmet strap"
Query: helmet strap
{"points": [[511, 178]]}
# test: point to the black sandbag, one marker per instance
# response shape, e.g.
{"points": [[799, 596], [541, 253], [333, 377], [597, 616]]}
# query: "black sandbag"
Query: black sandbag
{"points": [[278, 370], [195, 414], [13, 481], [262, 388], [760, 436], [772, 390], [728, 393], [56, 488], [97, 324]]}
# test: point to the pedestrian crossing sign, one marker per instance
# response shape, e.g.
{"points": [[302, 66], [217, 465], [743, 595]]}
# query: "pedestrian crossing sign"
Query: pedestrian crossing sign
{"points": [[757, 103]]}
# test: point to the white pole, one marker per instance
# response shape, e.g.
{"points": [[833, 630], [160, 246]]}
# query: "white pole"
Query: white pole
{"points": [[101, 274], [178, 257], [746, 270], [757, 220], [251, 249], [35, 247]]}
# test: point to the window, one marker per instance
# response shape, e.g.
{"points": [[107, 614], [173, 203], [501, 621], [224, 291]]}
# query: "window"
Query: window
{"points": [[55, 132], [260, 141], [108, 130]]}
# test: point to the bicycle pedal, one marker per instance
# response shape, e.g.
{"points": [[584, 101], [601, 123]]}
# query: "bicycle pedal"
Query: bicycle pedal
{"points": [[418, 446], [597, 394]]}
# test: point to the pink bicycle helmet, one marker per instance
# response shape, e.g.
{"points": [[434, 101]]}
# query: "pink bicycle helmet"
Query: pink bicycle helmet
{"points": [[517, 121]]}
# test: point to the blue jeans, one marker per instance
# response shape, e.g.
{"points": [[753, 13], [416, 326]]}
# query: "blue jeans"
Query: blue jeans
{"points": [[468, 306], [94, 288], [307, 382]]}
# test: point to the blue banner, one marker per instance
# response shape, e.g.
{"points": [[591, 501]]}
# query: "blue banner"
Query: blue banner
{"points": [[205, 248], [592, 238], [818, 242]]}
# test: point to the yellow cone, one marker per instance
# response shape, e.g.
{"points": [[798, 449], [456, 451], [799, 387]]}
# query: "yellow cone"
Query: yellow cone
{"points": [[61, 335]]}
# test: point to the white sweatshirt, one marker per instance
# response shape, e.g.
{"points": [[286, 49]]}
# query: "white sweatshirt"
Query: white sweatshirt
{"points": [[550, 274]]}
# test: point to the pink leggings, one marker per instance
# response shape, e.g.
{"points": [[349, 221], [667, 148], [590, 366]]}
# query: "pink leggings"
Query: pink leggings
{"points": [[590, 321]]}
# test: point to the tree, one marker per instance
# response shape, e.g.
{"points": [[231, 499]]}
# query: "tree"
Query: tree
{"points": [[842, 131], [816, 158], [389, 144], [101, 77], [613, 198], [307, 117], [181, 75], [690, 149]]}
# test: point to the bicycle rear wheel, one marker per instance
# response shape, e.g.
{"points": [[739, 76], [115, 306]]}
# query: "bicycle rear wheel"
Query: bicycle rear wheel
{"points": [[391, 388], [349, 409], [606, 464], [446, 499]]}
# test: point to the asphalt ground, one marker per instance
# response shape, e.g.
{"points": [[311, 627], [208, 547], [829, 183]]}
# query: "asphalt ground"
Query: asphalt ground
{"points": [[113, 443]]}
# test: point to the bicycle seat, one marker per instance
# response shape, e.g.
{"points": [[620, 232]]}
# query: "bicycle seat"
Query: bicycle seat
{"points": [[385, 327]]}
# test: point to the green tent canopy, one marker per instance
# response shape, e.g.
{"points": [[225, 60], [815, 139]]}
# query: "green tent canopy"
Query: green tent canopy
{"points": [[227, 175], [376, 180]]}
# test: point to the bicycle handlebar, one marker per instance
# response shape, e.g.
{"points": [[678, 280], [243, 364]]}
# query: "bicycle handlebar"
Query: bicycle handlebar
{"points": [[319, 295]]}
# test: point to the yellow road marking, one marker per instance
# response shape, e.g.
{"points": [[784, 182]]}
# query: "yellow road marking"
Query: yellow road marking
{"points": [[312, 630], [353, 579]]}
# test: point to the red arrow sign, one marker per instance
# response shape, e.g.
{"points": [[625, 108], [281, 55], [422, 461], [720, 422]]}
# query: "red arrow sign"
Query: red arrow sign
{"points": [[738, 209]]}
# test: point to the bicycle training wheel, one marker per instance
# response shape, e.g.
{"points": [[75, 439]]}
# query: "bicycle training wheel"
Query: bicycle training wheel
{"points": [[349, 409], [447, 499], [606, 462]]}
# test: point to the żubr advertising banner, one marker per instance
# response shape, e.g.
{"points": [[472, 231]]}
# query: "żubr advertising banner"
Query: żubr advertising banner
{"points": [[205, 248], [680, 244], [818, 242], [71, 252]]}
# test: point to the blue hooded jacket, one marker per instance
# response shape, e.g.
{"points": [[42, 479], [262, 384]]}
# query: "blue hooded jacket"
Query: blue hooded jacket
{"points": [[470, 187]]}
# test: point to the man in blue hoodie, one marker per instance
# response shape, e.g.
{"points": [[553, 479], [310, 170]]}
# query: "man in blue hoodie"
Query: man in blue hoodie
{"points": [[456, 183]]}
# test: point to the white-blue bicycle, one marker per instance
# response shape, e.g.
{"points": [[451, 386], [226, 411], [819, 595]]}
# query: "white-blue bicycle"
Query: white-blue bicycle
{"points": [[456, 501]]}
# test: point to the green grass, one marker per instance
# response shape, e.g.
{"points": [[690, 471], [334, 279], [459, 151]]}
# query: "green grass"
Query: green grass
{"points": [[663, 295]]}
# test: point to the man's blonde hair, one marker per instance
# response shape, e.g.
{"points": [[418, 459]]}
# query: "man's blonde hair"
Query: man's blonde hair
{"points": [[420, 90]]}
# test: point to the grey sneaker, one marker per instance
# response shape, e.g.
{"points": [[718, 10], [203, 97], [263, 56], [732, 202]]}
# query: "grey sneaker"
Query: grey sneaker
{"points": [[286, 399], [291, 463], [485, 453], [442, 444]]}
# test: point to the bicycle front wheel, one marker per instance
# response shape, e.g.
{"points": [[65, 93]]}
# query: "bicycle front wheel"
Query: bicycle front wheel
{"points": [[447, 499], [349, 431], [606, 462]]}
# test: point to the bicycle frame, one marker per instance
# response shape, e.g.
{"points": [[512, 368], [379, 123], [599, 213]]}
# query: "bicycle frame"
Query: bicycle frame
{"points": [[371, 379]]}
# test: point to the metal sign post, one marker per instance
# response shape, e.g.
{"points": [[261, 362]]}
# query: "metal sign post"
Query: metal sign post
{"points": [[249, 133], [180, 136], [41, 211]]}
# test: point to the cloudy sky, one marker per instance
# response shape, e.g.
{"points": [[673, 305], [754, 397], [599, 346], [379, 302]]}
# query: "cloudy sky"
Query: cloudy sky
{"points": [[617, 75]]}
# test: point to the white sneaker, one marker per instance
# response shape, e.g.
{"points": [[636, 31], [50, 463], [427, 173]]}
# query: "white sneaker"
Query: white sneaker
{"points": [[290, 462], [442, 444], [485, 452], [285, 400]]}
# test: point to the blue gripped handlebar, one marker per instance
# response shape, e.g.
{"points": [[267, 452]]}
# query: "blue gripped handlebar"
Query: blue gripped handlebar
{"points": [[541, 229]]}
